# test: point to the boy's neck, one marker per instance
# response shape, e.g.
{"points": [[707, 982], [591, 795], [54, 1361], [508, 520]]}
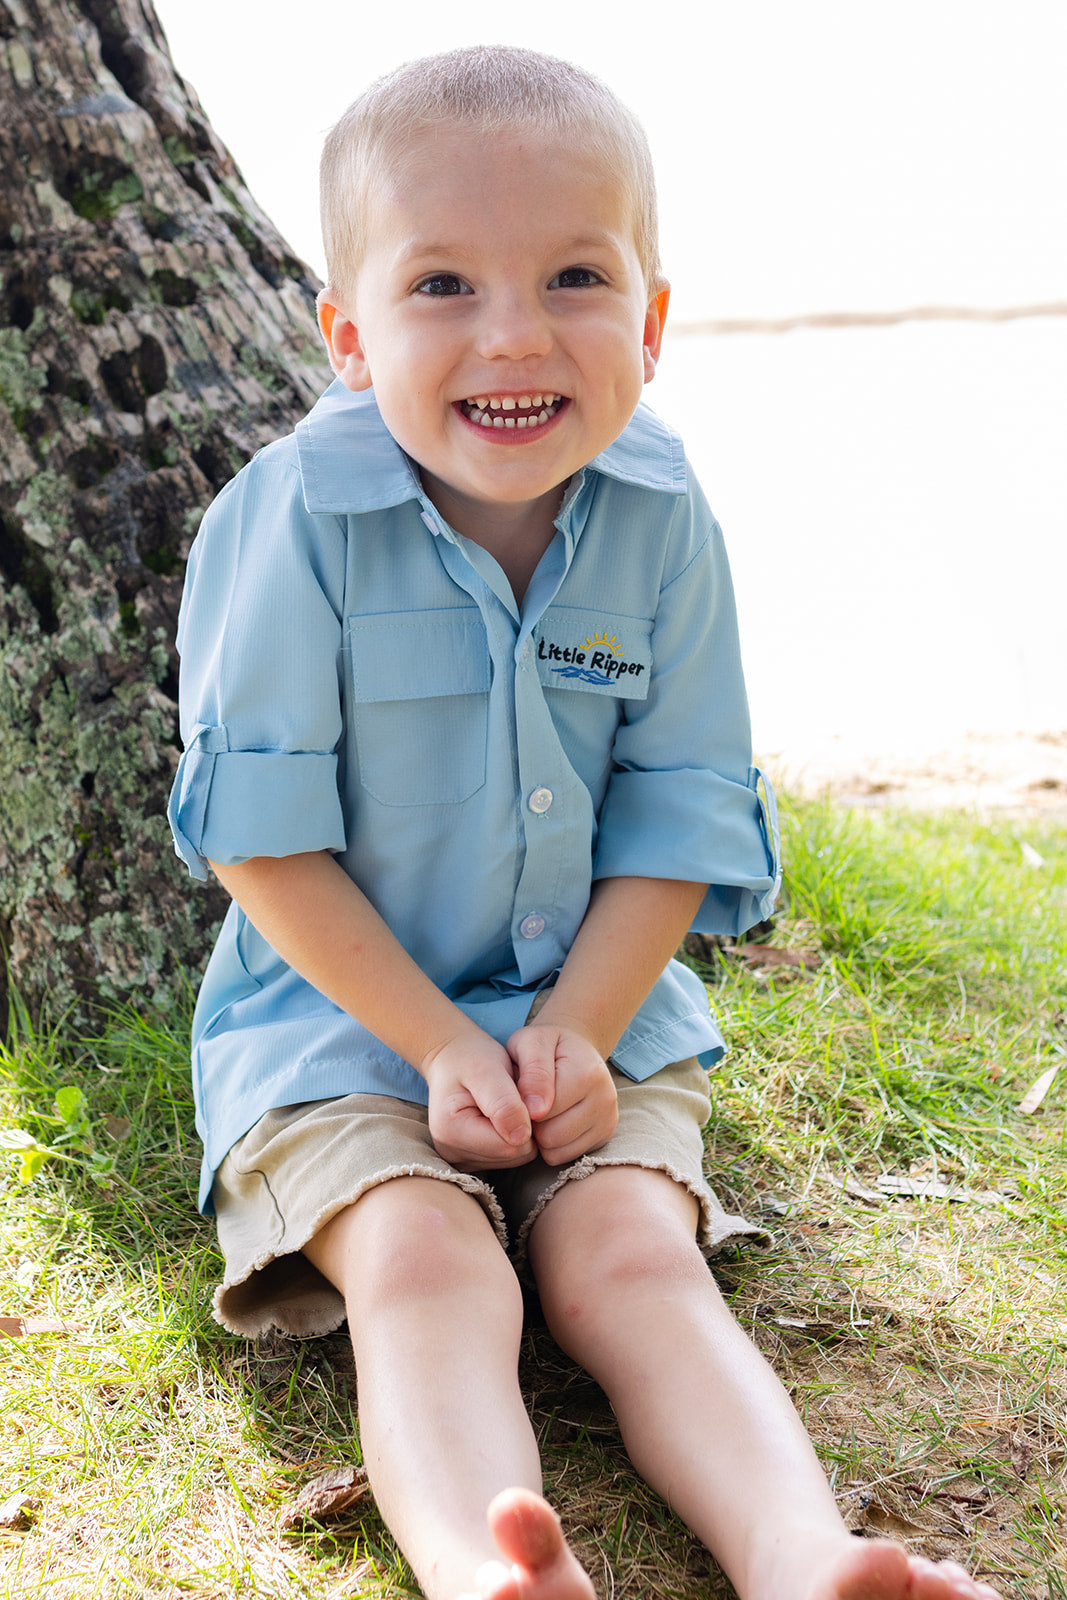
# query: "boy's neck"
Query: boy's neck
{"points": [[516, 536]]}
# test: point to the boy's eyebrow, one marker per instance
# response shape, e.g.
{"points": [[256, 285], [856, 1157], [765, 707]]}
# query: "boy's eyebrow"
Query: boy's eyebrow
{"points": [[416, 249]]}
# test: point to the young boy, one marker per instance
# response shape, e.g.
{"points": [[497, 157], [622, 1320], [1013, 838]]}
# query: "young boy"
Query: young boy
{"points": [[466, 741]]}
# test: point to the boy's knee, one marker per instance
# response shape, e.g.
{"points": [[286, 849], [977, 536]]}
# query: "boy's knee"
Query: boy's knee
{"points": [[640, 1255], [423, 1241]]}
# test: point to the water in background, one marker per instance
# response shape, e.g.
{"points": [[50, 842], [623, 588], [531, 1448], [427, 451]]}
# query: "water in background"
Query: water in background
{"points": [[895, 505]]}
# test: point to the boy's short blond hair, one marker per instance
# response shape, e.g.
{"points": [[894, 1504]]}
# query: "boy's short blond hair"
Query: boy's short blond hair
{"points": [[490, 88]]}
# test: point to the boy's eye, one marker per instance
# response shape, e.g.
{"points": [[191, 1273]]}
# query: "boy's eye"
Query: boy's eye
{"points": [[574, 278], [441, 283]]}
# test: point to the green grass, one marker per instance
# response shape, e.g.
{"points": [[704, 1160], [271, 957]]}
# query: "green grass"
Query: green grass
{"points": [[923, 1339]]}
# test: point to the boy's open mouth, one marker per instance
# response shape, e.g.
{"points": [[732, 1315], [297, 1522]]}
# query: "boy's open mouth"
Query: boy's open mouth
{"points": [[512, 411]]}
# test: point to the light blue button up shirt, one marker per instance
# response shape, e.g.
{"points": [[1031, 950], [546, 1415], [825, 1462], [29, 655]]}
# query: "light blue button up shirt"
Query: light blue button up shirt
{"points": [[356, 677]]}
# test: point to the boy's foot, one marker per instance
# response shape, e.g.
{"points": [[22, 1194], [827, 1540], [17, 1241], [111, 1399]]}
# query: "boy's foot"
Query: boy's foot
{"points": [[541, 1564], [874, 1569], [543, 1567]]}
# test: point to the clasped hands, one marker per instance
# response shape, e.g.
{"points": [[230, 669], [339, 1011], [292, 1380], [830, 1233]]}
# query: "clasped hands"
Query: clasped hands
{"points": [[548, 1092]]}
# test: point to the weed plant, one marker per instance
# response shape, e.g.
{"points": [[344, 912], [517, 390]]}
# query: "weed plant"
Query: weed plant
{"points": [[912, 1292]]}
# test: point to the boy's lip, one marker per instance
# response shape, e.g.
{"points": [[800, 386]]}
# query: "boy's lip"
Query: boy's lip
{"points": [[512, 417]]}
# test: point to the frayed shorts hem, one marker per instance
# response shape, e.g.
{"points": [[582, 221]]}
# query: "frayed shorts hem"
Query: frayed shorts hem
{"points": [[302, 1165]]}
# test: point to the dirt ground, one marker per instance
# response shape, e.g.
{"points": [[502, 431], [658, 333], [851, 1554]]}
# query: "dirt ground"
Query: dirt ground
{"points": [[1024, 774]]}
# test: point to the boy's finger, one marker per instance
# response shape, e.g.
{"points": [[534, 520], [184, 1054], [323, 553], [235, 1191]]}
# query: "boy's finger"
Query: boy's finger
{"points": [[535, 1058], [582, 1127], [502, 1105], [481, 1149]]}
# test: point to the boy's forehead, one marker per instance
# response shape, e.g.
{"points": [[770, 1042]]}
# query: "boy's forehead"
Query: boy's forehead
{"points": [[444, 150], [469, 165]]}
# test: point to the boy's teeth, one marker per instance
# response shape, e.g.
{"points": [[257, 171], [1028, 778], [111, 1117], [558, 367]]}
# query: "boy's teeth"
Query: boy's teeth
{"points": [[537, 408]]}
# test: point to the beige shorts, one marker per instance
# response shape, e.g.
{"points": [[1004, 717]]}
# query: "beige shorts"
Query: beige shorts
{"points": [[302, 1164]]}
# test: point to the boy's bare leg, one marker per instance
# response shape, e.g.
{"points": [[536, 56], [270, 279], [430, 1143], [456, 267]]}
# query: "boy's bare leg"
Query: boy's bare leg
{"points": [[435, 1314], [628, 1295]]}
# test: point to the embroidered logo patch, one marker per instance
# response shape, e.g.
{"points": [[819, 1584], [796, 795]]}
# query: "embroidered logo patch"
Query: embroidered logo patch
{"points": [[597, 660]]}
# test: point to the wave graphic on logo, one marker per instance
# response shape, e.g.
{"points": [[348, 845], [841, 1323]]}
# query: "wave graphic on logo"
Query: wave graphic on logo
{"points": [[586, 674]]}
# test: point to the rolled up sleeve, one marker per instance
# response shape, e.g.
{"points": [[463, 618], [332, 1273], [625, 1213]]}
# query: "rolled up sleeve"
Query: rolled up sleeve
{"points": [[684, 801], [708, 829], [260, 638]]}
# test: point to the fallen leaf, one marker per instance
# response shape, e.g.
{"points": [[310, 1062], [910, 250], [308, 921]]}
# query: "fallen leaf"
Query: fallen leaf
{"points": [[858, 1190], [19, 1327], [116, 1127], [932, 1189], [887, 1521], [923, 1188], [703, 946], [820, 1327], [773, 955], [1038, 1090], [832, 1324], [1021, 1454], [16, 1513], [329, 1495]]}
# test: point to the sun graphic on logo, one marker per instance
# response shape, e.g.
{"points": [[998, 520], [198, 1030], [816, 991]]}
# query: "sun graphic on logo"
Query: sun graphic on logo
{"points": [[601, 641]]}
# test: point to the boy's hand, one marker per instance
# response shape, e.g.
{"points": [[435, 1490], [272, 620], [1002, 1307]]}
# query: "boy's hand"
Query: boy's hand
{"points": [[477, 1118], [567, 1089]]}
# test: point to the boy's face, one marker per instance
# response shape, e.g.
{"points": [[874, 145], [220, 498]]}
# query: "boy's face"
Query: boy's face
{"points": [[501, 315]]}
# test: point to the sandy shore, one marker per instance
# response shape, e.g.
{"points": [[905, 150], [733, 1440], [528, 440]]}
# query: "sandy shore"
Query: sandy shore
{"points": [[1020, 773]]}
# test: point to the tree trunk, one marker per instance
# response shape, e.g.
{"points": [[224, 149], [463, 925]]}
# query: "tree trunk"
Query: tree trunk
{"points": [[154, 332]]}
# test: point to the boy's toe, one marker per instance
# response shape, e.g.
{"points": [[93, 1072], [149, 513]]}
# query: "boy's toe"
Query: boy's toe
{"points": [[529, 1535], [526, 1529]]}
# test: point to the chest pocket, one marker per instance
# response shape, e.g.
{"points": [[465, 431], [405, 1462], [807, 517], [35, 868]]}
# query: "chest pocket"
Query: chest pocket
{"points": [[420, 693], [594, 652]]}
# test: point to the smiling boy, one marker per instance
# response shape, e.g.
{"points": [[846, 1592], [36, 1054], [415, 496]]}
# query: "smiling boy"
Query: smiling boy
{"points": [[466, 740]]}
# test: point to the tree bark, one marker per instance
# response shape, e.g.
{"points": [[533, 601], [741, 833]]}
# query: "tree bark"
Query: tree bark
{"points": [[154, 332]]}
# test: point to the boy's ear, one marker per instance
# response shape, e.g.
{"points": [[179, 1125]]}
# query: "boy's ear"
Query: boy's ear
{"points": [[343, 346], [655, 317]]}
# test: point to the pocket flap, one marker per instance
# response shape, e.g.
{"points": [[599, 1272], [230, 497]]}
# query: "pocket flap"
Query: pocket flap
{"points": [[416, 655]]}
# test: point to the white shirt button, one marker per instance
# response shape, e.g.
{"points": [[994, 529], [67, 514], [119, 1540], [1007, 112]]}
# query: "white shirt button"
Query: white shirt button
{"points": [[540, 800], [532, 925]]}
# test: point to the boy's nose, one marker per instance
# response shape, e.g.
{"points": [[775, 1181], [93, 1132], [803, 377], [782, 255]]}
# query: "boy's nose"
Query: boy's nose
{"points": [[514, 328]]}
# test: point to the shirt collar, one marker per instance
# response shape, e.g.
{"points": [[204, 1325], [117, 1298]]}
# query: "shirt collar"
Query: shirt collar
{"points": [[350, 462]]}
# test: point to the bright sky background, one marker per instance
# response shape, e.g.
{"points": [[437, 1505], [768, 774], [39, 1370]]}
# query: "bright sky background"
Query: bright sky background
{"points": [[812, 154]]}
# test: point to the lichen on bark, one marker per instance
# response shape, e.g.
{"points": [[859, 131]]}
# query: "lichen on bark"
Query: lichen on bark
{"points": [[154, 332]]}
